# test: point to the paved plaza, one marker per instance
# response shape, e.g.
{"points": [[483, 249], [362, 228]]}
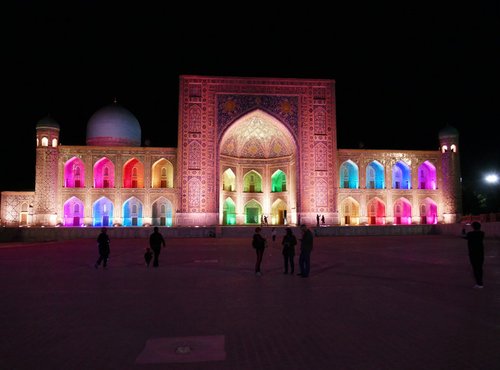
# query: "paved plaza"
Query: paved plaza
{"points": [[385, 302]]}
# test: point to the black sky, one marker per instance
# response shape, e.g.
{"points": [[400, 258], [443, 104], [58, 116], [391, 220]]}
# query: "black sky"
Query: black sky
{"points": [[402, 73]]}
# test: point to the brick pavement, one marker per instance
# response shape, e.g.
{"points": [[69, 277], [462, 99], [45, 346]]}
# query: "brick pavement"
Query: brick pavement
{"points": [[391, 302]]}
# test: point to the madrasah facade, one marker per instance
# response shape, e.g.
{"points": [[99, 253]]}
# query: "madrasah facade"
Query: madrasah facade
{"points": [[248, 149]]}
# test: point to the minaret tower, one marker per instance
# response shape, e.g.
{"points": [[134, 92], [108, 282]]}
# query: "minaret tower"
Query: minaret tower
{"points": [[47, 155], [451, 186]]}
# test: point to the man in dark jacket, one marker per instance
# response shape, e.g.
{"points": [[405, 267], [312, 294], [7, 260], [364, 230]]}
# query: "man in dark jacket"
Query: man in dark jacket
{"points": [[103, 248], [306, 246], [475, 246], [156, 241]]}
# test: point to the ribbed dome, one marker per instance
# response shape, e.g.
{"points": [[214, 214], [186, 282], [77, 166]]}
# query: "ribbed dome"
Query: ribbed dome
{"points": [[448, 131], [113, 125], [47, 122]]}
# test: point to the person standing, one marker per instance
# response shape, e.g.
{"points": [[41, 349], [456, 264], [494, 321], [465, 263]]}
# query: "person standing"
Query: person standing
{"points": [[156, 241], [289, 241], [306, 246], [103, 242], [475, 246], [273, 234], [259, 244]]}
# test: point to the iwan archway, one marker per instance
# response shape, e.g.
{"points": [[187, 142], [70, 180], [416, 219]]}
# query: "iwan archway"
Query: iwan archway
{"points": [[257, 159]]}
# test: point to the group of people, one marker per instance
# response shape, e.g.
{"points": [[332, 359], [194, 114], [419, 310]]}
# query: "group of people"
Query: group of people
{"points": [[318, 218], [289, 241], [475, 244], [152, 253]]}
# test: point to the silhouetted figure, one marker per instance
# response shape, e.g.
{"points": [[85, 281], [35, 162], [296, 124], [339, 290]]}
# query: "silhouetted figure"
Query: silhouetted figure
{"points": [[317, 220], [289, 242], [156, 241], [475, 246], [306, 246], [103, 248], [148, 256], [323, 219], [259, 244]]}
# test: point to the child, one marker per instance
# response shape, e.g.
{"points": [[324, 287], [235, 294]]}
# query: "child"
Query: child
{"points": [[148, 256], [273, 234]]}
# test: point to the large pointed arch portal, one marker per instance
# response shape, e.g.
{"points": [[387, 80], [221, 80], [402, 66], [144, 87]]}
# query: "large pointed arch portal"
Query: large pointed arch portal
{"points": [[254, 148]]}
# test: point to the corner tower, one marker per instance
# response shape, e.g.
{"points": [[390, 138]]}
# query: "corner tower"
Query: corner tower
{"points": [[46, 176], [451, 186]]}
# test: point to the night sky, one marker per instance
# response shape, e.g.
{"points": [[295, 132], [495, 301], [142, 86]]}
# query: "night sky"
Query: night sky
{"points": [[402, 73]]}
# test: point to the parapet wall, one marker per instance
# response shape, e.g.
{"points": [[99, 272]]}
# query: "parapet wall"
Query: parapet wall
{"points": [[44, 234]]}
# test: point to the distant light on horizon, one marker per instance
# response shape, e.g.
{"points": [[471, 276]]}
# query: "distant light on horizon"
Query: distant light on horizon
{"points": [[491, 178]]}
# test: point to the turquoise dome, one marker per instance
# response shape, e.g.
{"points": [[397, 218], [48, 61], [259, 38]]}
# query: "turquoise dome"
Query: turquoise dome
{"points": [[113, 125]]}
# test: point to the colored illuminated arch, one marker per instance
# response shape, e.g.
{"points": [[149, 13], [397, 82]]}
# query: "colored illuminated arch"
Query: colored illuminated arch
{"points": [[402, 212], [257, 135], [278, 181], [279, 212], [253, 212], [375, 175], [229, 180], [229, 212], [102, 212], [349, 212], [252, 143], [74, 173], [162, 212], [133, 174], [428, 211], [74, 212], [376, 211], [104, 173], [349, 175], [252, 182], [23, 214], [427, 176], [401, 176], [162, 175], [132, 212]]}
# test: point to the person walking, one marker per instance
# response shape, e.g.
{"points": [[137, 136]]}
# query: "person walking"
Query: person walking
{"points": [[259, 244], [289, 241], [475, 245], [103, 242], [306, 246], [156, 241]]}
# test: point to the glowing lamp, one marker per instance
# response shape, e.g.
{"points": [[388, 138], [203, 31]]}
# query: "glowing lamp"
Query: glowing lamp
{"points": [[491, 178]]}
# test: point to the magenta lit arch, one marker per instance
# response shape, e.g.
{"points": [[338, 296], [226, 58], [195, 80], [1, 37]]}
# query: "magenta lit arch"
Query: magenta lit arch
{"points": [[74, 173], [402, 212], [376, 212], [427, 176], [104, 173], [428, 212], [74, 212], [133, 174]]}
